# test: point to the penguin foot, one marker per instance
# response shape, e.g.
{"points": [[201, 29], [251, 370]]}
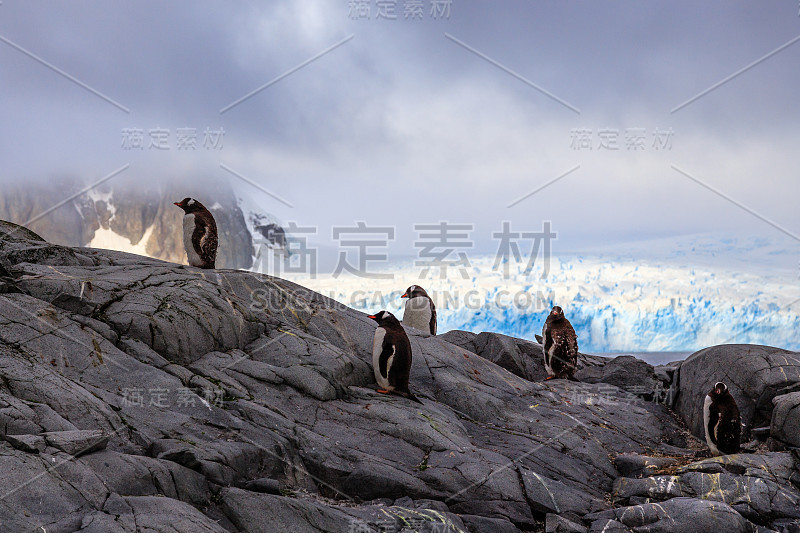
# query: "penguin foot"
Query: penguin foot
{"points": [[549, 377], [383, 391]]}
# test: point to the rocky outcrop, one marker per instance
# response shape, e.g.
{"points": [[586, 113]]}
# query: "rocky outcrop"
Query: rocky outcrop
{"points": [[139, 395], [760, 488]]}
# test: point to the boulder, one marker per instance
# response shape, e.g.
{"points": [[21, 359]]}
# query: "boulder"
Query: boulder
{"points": [[677, 515], [785, 424], [754, 375], [520, 357], [628, 373]]}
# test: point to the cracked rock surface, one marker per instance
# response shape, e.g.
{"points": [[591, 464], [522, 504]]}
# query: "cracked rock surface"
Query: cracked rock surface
{"points": [[138, 395]]}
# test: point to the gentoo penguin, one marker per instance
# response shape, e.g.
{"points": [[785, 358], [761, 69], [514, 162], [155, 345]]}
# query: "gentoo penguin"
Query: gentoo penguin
{"points": [[560, 346], [721, 421], [420, 312], [199, 233], [391, 356]]}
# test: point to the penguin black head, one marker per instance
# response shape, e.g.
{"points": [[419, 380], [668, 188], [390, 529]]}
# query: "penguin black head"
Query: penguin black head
{"points": [[190, 205], [385, 318], [719, 390], [557, 313], [414, 291]]}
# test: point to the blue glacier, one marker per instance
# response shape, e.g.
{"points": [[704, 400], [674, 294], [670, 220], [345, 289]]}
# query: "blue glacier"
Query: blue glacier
{"points": [[665, 301]]}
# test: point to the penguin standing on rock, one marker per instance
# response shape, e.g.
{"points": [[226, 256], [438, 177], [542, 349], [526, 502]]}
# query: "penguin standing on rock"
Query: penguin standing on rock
{"points": [[721, 421], [420, 312], [560, 346], [391, 356], [199, 234]]}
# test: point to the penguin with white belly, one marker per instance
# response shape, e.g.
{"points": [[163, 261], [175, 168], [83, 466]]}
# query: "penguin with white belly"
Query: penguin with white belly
{"points": [[420, 312], [391, 356], [721, 421]]}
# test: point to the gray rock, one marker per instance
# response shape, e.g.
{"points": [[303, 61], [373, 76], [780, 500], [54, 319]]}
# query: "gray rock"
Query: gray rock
{"points": [[628, 373], [759, 487], [77, 442], [632, 465], [221, 392], [257, 513], [754, 375], [551, 496], [263, 485], [520, 357], [783, 526], [461, 338], [557, 524], [27, 443], [156, 514], [666, 373], [785, 424], [677, 515], [481, 524], [608, 526]]}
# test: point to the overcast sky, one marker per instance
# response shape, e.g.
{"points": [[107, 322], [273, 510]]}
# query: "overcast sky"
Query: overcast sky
{"points": [[452, 117]]}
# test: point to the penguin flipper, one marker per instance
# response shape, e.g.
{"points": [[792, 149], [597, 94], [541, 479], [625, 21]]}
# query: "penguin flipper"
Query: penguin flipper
{"points": [[713, 419], [383, 361]]}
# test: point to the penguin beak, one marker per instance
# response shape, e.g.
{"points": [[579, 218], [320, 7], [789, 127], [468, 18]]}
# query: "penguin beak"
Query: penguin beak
{"points": [[404, 295], [177, 203]]}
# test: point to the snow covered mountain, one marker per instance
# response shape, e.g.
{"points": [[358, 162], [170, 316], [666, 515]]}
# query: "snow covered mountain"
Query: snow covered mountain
{"points": [[133, 216], [646, 298]]}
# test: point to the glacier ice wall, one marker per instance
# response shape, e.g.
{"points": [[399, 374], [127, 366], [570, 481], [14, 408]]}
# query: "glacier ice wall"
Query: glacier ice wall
{"points": [[615, 304]]}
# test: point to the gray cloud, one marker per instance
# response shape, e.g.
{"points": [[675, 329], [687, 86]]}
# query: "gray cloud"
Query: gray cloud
{"points": [[401, 125]]}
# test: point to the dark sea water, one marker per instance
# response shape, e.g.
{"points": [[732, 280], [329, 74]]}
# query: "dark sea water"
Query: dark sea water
{"points": [[654, 358]]}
